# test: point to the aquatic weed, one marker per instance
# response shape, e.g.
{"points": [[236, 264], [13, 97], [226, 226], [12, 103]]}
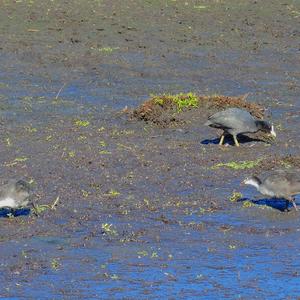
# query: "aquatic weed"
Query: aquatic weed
{"points": [[200, 6], [235, 196], [55, 264], [181, 100], [107, 50], [16, 161], [71, 154], [81, 123], [109, 229], [247, 204], [85, 193], [154, 255], [82, 138], [8, 142], [39, 208], [31, 129], [142, 253], [113, 276], [112, 193], [238, 165], [104, 152]]}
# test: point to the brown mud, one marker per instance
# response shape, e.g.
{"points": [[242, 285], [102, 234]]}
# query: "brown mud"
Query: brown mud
{"points": [[284, 162]]}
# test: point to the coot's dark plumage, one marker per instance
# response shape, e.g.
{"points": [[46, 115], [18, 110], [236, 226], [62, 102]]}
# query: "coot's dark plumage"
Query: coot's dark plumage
{"points": [[235, 121], [15, 194], [279, 184]]}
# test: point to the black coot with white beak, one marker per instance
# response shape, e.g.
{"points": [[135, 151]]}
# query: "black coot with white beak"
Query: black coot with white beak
{"points": [[279, 184], [235, 121]]}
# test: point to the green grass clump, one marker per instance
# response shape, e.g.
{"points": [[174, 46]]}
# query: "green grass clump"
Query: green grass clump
{"points": [[109, 229], [248, 204], [181, 100], [16, 161], [108, 49], [55, 264], [235, 196], [81, 123], [39, 208], [240, 165], [112, 193]]}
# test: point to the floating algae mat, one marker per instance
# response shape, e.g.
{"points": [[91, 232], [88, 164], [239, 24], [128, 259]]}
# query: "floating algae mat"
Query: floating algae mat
{"points": [[264, 164], [166, 109], [239, 165]]}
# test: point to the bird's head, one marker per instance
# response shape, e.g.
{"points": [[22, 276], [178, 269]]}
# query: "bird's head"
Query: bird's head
{"points": [[265, 126], [22, 192], [253, 180]]}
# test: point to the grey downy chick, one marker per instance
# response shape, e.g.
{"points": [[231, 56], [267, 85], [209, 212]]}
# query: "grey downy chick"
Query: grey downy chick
{"points": [[15, 194], [234, 121], [279, 184]]}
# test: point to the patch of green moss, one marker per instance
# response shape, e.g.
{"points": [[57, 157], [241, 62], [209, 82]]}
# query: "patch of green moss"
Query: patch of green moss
{"points": [[16, 161], [71, 153], [104, 152], [235, 196], [113, 193], [180, 100], [55, 264], [200, 6], [247, 204], [106, 49], [238, 165], [38, 209], [109, 229], [142, 253], [81, 123]]}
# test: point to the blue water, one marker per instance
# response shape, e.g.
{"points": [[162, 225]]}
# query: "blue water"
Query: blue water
{"points": [[256, 258]]}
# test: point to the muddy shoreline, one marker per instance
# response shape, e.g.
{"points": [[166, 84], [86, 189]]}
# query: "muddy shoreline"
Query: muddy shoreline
{"points": [[143, 211]]}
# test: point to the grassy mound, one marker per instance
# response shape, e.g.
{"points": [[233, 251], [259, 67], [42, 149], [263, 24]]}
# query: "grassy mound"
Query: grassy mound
{"points": [[165, 109]]}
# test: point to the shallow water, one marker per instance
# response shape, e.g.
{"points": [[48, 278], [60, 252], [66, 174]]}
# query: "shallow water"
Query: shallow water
{"points": [[142, 213], [252, 253]]}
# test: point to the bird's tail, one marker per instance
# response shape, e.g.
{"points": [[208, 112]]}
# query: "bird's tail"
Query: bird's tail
{"points": [[207, 123]]}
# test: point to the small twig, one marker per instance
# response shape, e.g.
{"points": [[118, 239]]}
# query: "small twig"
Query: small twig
{"points": [[55, 202], [60, 90], [34, 208]]}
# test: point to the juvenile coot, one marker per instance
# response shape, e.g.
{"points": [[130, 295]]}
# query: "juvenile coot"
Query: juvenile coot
{"points": [[279, 184], [235, 121], [15, 194]]}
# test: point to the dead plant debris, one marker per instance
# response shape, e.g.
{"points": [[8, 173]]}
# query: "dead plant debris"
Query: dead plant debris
{"points": [[275, 163]]}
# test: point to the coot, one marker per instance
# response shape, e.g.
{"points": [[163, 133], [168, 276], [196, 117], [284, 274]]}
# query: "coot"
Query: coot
{"points": [[235, 121], [279, 184]]}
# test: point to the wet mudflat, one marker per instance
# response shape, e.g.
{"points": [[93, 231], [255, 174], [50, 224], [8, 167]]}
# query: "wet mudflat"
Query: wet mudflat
{"points": [[142, 210]]}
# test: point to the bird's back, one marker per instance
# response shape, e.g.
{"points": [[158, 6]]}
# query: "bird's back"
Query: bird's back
{"points": [[283, 183], [234, 120]]}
